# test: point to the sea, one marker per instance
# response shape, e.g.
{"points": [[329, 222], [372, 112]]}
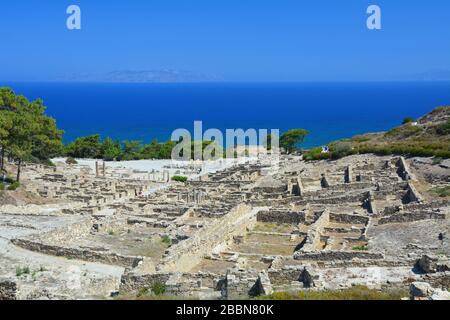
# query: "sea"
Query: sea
{"points": [[138, 111]]}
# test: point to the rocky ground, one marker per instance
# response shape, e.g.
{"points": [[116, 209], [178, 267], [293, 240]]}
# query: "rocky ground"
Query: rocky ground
{"points": [[244, 230]]}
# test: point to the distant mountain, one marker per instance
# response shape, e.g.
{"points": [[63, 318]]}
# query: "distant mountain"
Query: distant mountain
{"points": [[144, 76]]}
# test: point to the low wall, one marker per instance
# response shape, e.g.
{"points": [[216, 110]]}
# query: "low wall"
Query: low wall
{"points": [[348, 218], [131, 282], [333, 200], [312, 240], [354, 186], [281, 217], [177, 283], [336, 255], [413, 195], [8, 289], [410, 217], [239, 285], [285, 275], [424, 206], [79, 254], [185, 255], [404, 170]]}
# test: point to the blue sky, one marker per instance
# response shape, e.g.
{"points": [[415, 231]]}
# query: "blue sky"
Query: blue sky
{"points": [[237, 40]]}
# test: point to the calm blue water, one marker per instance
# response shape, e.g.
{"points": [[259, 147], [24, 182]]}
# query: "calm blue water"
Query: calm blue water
{"points": [[145, 111]]}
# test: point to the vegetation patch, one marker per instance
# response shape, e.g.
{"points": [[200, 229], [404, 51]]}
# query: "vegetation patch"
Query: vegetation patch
{"points": [[166, 239], [26, 133], [360, 248], [71, 160], [158, 288], [442, 192], [272, 227], [354, 293], [405, 131], [290, 139], [179, 178], [22, 271], [13, 186], [142, 292], [430, 138], [360, 139], [443, 129], [408, 120]]}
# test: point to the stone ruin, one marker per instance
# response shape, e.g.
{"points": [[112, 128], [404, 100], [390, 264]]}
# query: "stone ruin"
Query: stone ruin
{"points": [[235, 233]]}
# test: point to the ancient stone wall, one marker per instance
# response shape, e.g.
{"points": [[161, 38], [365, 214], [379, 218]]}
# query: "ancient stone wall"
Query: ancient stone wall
{"points": [[312, 240], [404, 170], [411, 216], [8, 289], [185, 255], [413, 195], [68, 232], [75, 253], [176, 283], [285, 275], [336, 255], [239, 285], [131, 282], [348, 218], [281, 216]]}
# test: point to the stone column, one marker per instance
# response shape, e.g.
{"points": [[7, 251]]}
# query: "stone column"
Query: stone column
{"points": [[348, 176], [96, 169]]}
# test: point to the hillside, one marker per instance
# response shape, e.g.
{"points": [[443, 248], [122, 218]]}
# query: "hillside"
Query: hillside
{"points": [[428, 136]]}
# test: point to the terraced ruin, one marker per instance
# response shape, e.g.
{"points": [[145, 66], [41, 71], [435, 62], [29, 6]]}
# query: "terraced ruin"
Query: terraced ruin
{"points": [[244, 231]]}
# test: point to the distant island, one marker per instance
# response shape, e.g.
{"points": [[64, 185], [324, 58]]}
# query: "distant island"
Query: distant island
{"points": [[144, 76]]}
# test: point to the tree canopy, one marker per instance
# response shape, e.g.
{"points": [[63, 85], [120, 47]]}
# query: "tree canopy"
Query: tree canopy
{"points": [[26, 133], [290, 139]]}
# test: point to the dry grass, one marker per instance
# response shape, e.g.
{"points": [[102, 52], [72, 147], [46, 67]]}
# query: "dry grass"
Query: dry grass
{"points": [[443, 192], [354, 293]]}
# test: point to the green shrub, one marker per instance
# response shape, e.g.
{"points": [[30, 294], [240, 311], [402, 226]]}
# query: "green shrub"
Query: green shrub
{"points": [[407, 120], [179, 178], [71, 160], [13, 186], [442, 154], [416, 150], [143, 292], [360, 139], [316, 154], [48, 162], [360, 248], [2, 186], [9, 180], [166, 239], [158, 288], [443, 129], [21, 271], [341, 149]]}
